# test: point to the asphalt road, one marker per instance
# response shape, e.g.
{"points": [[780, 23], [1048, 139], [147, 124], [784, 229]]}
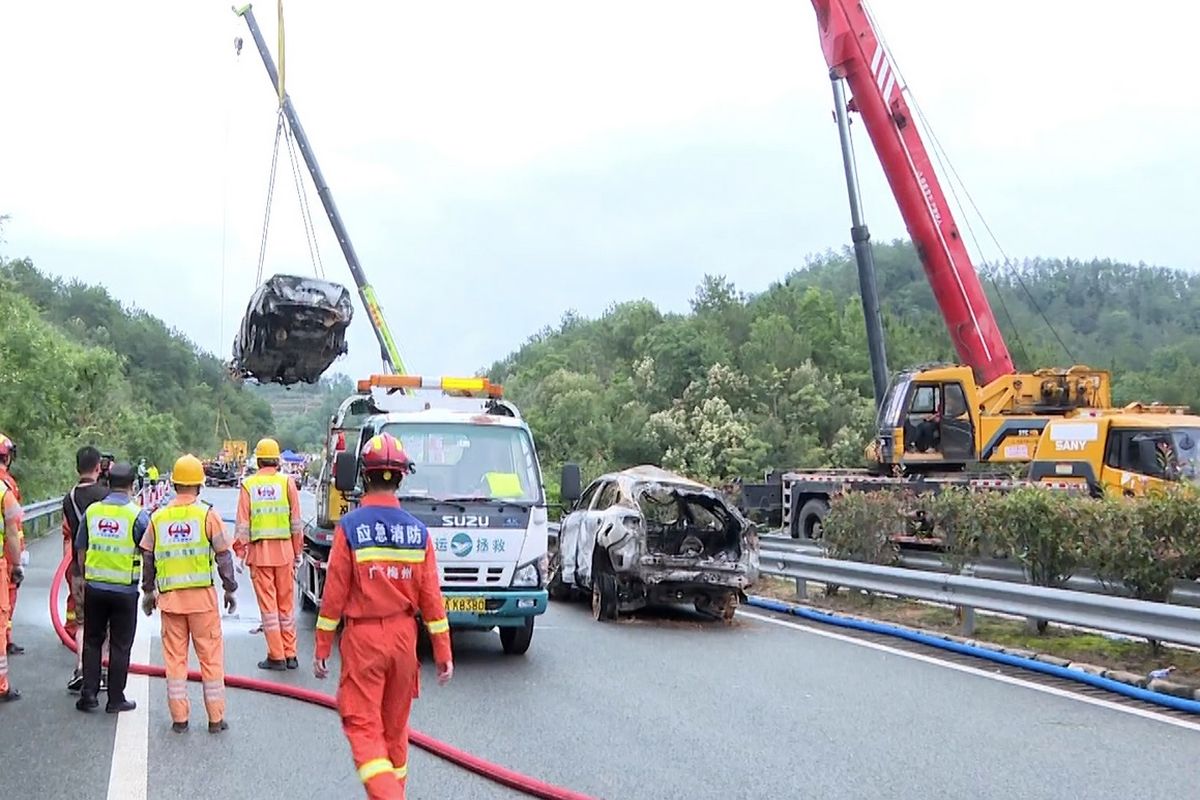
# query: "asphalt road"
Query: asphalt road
{"points": [[662, 705]]}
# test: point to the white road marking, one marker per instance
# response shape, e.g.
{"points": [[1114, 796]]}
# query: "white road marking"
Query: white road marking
{"points": [[1096, 701], [129, 774]]}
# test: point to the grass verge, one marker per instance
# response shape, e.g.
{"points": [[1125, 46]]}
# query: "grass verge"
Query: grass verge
{"points": [[1134, 656]]}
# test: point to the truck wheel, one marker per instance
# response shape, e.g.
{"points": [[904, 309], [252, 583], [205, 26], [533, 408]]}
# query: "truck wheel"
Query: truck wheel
{"points": [[808, 522], [604, 594], [515, 641]]}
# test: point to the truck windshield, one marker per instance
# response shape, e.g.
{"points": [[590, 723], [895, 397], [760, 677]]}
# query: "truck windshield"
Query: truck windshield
{"points": [[461, 461], [1172, 454], [891, 410]]}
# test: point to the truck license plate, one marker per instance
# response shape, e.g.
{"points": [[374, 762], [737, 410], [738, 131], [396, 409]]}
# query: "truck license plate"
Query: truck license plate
{"points": [[470, 605]]}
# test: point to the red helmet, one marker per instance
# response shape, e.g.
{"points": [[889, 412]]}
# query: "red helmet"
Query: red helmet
{"points": [[384, 453], [8, 448]]}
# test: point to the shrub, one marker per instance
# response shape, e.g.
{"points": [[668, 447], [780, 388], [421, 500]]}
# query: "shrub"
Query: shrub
{"points": [[962, 520], [860, 526], [1146, 544], [1043, 530]]}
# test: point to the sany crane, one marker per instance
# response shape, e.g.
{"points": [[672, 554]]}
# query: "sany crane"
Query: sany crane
{"points": [[387, 345], [935, 406]]}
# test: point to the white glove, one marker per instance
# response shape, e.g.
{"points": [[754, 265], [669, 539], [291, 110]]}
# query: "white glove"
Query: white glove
{"points": [[24, 558]]}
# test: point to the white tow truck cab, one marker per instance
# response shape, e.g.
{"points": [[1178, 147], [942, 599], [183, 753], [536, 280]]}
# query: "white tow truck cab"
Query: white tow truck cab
{"points": [[477, 486]]}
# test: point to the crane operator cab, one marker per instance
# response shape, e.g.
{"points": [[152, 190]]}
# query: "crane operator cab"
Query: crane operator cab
{"points": [[925, 419]]}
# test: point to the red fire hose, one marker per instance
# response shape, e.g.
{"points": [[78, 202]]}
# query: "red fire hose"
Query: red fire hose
{"points": [[485, 769]]}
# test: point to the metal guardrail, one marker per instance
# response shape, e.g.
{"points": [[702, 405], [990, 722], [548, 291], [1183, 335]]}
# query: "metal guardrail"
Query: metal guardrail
{"points": [[42, 517], [1185, 593], [1159, 621]]}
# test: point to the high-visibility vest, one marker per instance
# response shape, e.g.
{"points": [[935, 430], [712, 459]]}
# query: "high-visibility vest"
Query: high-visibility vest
{"points": [[183, 556], [504, 484], [270, 514], [112, 554]]}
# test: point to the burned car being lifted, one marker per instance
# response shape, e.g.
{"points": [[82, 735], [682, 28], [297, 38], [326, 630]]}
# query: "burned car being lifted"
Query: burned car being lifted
{"points": [[646, 536], [294, 329]]}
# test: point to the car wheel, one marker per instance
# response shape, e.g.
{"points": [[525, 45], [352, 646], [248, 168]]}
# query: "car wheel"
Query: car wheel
{"points": [[515, 641], [554, 585], [604, 594]]}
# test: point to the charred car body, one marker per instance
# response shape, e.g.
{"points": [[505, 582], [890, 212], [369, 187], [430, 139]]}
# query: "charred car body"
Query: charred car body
{"points": [[646, 536], [294, 329]]}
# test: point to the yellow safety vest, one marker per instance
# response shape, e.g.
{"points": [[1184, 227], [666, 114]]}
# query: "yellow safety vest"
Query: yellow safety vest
{"points": [[504, 484], [112, 554], [270, 514], [183, 556]]}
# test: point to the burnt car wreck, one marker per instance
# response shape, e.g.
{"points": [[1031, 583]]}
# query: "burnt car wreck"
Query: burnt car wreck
{"points": [[645, 536], [293, 330]]}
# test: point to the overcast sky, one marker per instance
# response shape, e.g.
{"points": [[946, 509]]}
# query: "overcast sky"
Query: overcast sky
{"points": [[499, 163]]}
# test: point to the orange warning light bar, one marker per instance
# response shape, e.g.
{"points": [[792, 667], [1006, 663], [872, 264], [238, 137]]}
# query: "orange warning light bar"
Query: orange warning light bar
{"points": [[459, 386]]}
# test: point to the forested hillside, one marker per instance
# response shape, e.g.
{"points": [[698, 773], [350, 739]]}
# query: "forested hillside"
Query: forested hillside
{"points": [[781, 379], [302, 411], [77, 367]]}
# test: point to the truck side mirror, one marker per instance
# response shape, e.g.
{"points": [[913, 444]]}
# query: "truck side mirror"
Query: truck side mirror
{"points": [[345, 471], [571, 485]]}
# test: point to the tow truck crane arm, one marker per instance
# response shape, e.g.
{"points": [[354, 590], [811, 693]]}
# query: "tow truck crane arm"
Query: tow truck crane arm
{"points": [[854, 52], [387, 345]]}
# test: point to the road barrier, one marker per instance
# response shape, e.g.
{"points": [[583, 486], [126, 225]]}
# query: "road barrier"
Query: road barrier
{"points": [[996, 569], [1162, 622]]}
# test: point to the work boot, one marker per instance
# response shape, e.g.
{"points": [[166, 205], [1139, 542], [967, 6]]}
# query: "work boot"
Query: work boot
{"points": [[179, 727], [217, 727], [272, 664], [293, 663], [117, 708], [87, 704], [15, 649], [9, 696], [76, 682]]}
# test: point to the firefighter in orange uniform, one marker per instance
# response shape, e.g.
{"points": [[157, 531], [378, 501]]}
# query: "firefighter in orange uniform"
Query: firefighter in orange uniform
{"points": [[11, 571], [184, 540], [382, 573], [269, 541], [8, 452]]}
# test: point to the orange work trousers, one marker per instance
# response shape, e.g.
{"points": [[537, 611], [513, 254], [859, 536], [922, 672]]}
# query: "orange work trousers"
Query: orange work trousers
{"points": [[204, 632], [5, 621], [275, 588], [375, 693]]}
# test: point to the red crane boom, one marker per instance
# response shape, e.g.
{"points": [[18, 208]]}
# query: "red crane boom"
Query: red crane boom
{"points": [[855, 53]]}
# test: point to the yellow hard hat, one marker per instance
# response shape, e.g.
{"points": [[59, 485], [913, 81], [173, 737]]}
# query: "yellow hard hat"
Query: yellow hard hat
{"points": [[267, 448], [188, 471]]}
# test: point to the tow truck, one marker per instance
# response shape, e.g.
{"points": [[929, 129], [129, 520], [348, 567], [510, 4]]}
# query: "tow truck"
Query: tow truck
{"points": [[477, 487]]}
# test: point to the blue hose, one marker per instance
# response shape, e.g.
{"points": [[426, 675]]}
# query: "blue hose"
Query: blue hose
{"points": [[1125, 689]]}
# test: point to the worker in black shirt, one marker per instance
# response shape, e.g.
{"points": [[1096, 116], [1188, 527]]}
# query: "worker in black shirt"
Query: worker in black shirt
{"points": [[90, 489]]}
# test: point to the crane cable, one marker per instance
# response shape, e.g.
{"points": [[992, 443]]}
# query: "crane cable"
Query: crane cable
{"points": [[283, 129], [950, 171]]}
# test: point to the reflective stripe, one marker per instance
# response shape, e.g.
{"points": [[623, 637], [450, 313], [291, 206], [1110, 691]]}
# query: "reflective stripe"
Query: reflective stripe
{"points": [[376, 766], [270, 511], [214, 690], [326, 624], [194, 579], [438, 625], [367, 555], [401, 771]]}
